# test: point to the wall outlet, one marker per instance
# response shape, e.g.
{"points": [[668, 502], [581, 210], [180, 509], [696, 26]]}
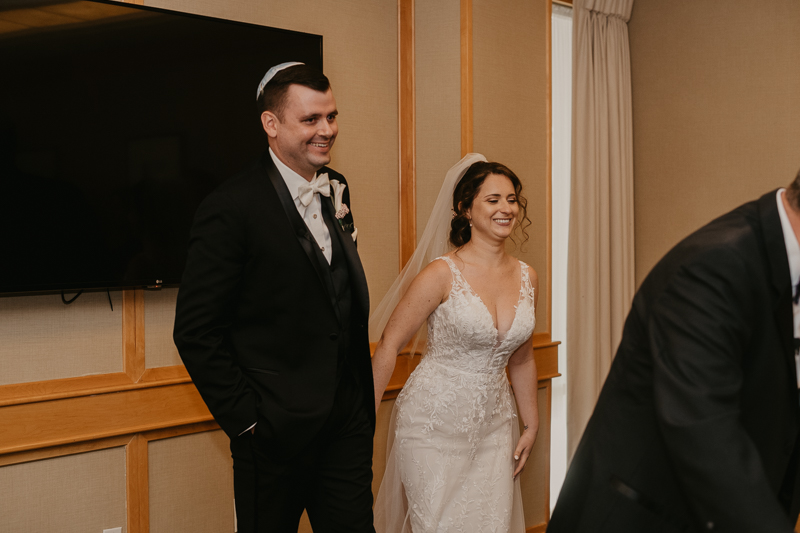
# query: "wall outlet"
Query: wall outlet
{"points": [[113, 530]]}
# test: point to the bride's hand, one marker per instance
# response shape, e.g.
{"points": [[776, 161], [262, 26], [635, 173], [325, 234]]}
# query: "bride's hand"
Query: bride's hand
{"points": [[524, 448]]}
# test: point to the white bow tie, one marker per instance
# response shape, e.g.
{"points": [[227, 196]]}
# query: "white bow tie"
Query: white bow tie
{"points": [[320, 184]]}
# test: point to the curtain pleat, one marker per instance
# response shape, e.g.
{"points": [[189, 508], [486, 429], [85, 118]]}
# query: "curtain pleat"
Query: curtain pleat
{"points": [[601, 263]]}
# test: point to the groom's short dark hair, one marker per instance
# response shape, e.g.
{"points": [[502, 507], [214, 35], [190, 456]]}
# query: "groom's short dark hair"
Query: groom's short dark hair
{"points": [[274, 96]]}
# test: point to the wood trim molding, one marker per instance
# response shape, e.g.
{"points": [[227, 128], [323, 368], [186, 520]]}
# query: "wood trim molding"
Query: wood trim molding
{"points": [[55, 389], [540, 339], [158, 411], [61, 451], [133, 360], [87, 418], [165, 375], [137, 483], [407, 123], [180, 431], [547, 361], [39, 391], [567, 3], [546, 509], [549, 168], [466, 78]]}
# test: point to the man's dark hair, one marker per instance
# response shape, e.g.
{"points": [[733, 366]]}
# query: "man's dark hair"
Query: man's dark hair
{"points": [[274, 96], [793, 193]]}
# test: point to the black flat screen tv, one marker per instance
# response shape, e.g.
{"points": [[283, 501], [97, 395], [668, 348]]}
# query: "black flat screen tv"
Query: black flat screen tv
{"points": [[115, 122]]}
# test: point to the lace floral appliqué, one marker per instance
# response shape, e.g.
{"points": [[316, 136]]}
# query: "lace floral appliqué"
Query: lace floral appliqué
{"points": [[454, 435]]}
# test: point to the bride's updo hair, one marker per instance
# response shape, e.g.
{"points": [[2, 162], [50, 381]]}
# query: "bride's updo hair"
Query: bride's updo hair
{"points": [[466, 191]]}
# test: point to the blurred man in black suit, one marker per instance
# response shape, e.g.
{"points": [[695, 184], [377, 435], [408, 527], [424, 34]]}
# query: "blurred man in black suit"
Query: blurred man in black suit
{"points": [[696, 426]]}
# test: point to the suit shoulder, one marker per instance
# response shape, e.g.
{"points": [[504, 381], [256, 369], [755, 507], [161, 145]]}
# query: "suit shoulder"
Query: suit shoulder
{"points": [[732, 234], [729, 245], [238, 189], [242, 182]]}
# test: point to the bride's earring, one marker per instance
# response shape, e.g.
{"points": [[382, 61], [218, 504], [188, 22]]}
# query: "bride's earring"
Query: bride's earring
{"points": [[470, 223]]}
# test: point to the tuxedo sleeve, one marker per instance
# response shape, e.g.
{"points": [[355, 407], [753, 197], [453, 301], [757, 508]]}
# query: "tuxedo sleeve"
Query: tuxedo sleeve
{"points": [[203, 317], [699, 329]]}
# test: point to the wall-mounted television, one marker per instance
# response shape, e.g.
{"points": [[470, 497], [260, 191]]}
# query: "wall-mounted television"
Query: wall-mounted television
{"points": [[115, 121]]}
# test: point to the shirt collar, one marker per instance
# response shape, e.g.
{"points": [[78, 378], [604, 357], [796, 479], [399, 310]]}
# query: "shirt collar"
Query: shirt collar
{"points": [[292, 179], [790, 241]]}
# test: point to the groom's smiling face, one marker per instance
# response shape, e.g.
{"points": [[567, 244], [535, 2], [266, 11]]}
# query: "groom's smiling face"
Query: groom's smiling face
{"points": [[303, 134]]}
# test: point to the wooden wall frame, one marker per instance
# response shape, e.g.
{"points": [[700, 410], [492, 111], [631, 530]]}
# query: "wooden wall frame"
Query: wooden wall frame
{"points": [[407, 123], [466, 78], [549, 164]]}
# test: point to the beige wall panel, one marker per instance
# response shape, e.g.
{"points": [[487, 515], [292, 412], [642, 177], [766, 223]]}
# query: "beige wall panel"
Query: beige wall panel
{"points": [[159, 317], [44, 339], [360, 57], [191, 484], [510, 109], [535, 480], [438, 98], [716, 112], [82, 493]]}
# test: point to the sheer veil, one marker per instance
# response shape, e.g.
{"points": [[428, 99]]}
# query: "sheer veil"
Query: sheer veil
{"points": [[433, 243], [391, 506]]}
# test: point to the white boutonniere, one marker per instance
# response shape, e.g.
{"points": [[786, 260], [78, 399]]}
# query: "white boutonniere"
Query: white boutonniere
{"points": [[341, 208]]}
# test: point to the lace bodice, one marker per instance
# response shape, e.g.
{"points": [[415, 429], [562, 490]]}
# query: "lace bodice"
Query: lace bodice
{"points": [[462, 335]]}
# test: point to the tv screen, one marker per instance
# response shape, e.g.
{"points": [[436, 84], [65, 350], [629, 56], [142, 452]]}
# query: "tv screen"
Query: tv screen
{"points": [[115, 122]]}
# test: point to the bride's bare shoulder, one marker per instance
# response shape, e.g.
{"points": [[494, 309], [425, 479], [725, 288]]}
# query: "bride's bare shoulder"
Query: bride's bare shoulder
{"points": [[438, 270], [435, 278]]}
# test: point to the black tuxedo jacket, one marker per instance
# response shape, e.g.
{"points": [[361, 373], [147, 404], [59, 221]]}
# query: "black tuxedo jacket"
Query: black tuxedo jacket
{"points": [[255, 324], [697, 422]]}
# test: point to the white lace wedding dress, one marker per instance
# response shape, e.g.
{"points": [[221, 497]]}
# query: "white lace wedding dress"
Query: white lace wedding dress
{"points": [[454, 428]]}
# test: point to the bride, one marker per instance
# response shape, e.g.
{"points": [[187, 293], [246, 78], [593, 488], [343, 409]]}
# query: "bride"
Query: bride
{"points": [[455, 451]]}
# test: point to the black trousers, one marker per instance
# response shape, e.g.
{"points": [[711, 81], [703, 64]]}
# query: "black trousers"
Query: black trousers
{"points": [[331, 478]]}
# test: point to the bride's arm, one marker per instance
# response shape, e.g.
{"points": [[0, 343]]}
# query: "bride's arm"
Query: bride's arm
{"points": [[426, 292], [524, 379]]}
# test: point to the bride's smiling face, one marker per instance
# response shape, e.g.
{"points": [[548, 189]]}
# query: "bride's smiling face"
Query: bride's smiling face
{"points": [[495, 208]]}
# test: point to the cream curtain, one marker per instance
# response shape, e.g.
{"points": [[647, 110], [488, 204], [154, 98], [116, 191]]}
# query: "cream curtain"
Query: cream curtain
{"points": [[600, 268]]}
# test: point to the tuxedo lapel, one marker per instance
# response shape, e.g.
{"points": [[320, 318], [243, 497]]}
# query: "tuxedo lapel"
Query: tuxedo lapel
{"points": [[358, 280], [301, 231], [775, 245]]}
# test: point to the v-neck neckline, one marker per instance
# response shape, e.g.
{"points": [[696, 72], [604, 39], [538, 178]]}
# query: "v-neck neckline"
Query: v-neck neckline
{"points": [[483, 304]]}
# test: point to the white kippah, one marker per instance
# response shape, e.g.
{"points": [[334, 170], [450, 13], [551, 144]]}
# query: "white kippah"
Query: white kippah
{"points": [[271, 73]]}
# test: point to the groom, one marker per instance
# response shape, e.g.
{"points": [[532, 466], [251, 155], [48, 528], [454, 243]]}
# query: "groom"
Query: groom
{"points": [[271, 321]]}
